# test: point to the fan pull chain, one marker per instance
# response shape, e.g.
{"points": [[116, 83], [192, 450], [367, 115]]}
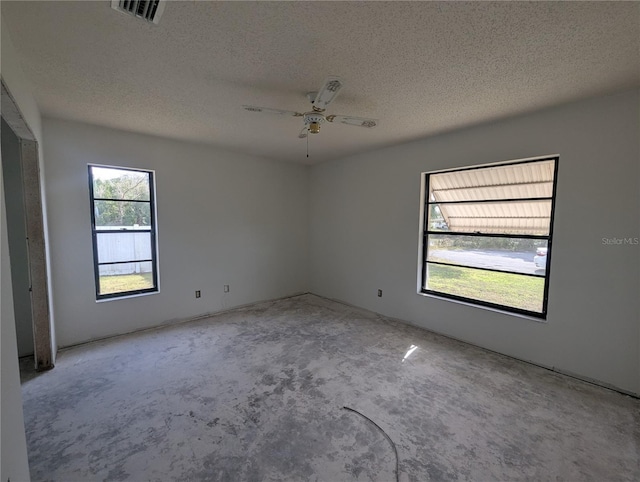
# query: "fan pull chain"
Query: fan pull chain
{"points": [[307, 144]]}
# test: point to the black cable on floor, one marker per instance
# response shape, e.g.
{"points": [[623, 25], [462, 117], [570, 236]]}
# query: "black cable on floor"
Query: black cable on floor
{"points": [[395, 450]]}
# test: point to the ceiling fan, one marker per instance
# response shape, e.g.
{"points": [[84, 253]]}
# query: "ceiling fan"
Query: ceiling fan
{"points": [[320, 100]]}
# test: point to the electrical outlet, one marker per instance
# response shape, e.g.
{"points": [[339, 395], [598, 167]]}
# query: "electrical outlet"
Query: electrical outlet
{"points": [[379, 293], [226, 288], [198, 294]]}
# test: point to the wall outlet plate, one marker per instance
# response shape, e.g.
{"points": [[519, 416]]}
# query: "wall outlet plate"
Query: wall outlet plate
{"points": [[226, 288]]}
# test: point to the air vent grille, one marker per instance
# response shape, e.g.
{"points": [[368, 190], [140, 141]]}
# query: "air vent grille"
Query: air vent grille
{"points": [[149, 10]]}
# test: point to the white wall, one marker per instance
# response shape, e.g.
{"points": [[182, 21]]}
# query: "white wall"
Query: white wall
{"points": [[13, 447], [18, 85], [20, 89], [223, 218], [13, 443], [364, 236]]}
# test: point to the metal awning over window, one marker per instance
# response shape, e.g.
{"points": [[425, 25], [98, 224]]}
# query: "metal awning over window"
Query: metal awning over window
{"points": [[508, 199]]}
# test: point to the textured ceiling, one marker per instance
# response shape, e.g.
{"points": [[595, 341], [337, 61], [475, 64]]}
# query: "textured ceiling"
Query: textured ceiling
{"points": [[419, 67]]}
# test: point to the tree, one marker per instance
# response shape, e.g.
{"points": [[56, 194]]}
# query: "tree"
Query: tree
{"points": [[122, 201]]}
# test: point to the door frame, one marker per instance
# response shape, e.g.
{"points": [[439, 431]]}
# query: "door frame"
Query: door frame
{"points": [[44, 350]]}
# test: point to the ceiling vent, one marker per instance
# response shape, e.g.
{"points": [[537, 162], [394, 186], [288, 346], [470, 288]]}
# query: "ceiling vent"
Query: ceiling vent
{"points": [[149, 10]]}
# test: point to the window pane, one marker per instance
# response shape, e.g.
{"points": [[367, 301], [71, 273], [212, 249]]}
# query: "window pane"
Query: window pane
{"points": [[123, 246], [506, 254], [110, 183], [125, 214], [506, 289], [511, 181], [124, 231], [118, 278], [515, 217]]}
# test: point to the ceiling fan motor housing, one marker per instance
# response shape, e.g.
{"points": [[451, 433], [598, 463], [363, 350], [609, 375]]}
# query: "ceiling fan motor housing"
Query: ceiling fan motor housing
{"points": [[313, 121]]}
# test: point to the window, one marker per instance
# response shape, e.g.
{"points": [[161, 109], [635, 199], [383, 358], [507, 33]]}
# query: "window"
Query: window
{"points": [[486, 234], [123, 223]]}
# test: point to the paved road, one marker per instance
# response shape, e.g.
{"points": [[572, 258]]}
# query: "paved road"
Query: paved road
{"points": [[520, 262]]}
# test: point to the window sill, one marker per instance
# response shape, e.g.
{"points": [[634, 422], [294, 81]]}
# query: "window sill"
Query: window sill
{"points": [[483, 307], [125, 296]]}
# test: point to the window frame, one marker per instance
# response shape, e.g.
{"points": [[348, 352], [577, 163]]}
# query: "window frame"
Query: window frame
{"points": [[152, 233], [425, 204]]}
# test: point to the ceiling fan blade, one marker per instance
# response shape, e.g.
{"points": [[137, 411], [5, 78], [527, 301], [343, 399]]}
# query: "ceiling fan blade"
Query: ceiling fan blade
{"points": [[353, 121], [327, 92], [303, 133], [268, 110]]}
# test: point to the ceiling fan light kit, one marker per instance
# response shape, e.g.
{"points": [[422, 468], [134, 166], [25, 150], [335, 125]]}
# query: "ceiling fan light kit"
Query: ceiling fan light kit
{"points": [[320, 100], [313, 120]]}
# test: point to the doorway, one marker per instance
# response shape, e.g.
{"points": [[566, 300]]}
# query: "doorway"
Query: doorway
{"points": [[26, 235], [17, 234]]}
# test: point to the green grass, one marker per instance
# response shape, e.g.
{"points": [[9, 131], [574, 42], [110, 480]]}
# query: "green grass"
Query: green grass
{"points": [[523, 292], [125, 282]]}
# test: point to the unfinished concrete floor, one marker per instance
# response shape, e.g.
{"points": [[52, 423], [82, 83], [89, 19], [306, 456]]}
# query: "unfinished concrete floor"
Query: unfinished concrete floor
{"points": [[256, 394]]}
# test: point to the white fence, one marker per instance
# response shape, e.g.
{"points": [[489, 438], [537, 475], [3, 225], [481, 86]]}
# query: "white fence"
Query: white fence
{"points": [[133, 243]]}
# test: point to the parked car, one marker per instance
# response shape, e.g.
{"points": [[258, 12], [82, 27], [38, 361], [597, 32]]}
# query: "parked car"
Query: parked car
{"points": [[540, 259], [440, 225]]}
